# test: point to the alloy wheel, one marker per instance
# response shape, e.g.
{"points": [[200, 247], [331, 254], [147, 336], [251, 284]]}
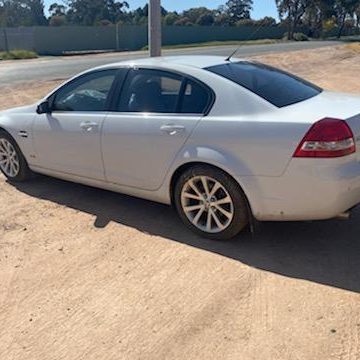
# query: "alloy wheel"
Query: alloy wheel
{"points": [[207, 204], [9, 160]]}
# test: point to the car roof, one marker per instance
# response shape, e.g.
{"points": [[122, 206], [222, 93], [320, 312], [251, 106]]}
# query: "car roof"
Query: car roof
{"points": [[194, 61]]}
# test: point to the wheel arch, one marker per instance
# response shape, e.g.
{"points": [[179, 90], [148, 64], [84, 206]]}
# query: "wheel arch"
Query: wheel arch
{"points": [[4, 130], [182, 168]]}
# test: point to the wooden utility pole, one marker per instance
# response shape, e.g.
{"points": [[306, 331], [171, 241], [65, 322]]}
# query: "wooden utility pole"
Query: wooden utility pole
{"points": [[154, 28], [6, 41]]}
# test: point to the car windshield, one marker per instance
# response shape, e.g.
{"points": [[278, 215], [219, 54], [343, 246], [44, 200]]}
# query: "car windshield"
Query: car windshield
{"points": [[277, 87]]}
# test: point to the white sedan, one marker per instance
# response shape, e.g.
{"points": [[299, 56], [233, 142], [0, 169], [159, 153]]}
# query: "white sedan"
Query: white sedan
{"points": [[224, 141]]}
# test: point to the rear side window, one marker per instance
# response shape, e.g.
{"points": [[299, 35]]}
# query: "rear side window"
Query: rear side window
{"points": [[276, 86], [196, 99], [150, 91], [157, 91]]}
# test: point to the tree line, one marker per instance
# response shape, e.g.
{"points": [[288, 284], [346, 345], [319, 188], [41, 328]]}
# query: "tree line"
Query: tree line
{"points": [[315, 16]]}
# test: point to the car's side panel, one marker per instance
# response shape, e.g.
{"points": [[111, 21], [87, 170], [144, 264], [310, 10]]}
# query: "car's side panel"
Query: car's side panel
{"points": [[250, 147], [138, 149], [310, 189], [69, 142], [18, 123]]}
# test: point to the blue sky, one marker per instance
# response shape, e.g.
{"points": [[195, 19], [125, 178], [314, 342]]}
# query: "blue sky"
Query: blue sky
{"points": [[261, 7]]}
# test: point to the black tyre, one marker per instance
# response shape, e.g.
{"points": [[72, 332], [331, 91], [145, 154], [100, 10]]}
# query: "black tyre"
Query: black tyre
{"points": [[12, 162], [211, 203]]}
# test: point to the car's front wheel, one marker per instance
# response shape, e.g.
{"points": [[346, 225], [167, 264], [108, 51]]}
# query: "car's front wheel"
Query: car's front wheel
{"points": [[211, 203], [12, 162]]}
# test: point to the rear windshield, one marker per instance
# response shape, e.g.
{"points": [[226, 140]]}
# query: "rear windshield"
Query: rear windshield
{"points": [[276, 86]]}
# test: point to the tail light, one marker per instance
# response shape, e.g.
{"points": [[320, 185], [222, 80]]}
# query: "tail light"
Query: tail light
{"points": [[327, 138]]}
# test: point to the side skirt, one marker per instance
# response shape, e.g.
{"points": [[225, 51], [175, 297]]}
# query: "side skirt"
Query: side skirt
{"points": [[156, 196]]}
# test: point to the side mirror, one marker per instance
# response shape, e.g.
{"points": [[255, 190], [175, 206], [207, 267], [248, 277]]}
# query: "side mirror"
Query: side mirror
{"points": [[44, 108]]}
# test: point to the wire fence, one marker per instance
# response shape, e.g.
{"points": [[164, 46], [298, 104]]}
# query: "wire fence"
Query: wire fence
{"points": [[73, 39], [59, 40]]}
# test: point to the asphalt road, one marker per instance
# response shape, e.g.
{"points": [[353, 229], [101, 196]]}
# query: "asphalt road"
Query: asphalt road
{"points": [[51, 68]]}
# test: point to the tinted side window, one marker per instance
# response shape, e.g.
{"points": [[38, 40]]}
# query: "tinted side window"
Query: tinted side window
{"points": [[196, 98], [276, 86], [87, 93], [150, 91]]}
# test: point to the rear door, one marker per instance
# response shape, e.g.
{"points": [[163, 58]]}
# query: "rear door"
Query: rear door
{"points": [[151, 120]]}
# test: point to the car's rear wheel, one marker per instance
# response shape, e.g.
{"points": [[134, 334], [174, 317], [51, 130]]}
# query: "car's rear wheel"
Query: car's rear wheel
{"points": [[211, 203], [12, 162]]}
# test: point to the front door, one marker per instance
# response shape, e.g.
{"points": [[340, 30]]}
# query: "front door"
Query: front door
{"points": [[69, 139]]}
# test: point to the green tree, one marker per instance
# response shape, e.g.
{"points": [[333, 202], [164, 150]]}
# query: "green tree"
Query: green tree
{"points": [[206, 20], [140, 15], [194, 14], [171, 18], [238, 9], [266, 21], [84, 12], [293, 10], [56, 9], [57, 15], [22, 13], [183, 21], [222, 17], [317, 13], [36, 12], [343, 10]]}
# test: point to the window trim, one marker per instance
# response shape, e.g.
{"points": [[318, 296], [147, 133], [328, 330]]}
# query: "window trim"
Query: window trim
{"points": [[185, 79], [52, 97]]}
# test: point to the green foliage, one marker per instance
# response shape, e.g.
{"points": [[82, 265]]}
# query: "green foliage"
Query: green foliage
{"points": [[205, 20], [84, 12], [238, 9], [194, 14], [56, 9], [171, 18], [319, 16], [22, 13], [266, 21], [343, 9], [18, 54]]}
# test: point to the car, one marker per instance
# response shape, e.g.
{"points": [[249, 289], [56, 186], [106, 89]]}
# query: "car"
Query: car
{"points": [[225, 141]]}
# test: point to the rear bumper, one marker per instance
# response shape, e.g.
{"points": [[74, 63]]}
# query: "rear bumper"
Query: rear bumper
{"points": [[310, 189]]}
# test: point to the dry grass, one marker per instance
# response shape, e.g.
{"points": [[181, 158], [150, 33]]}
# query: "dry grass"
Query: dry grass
{"points": [[354, 47], [18, 55], [332, 68]]}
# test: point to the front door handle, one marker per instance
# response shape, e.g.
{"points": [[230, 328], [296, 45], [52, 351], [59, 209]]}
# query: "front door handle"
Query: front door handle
{"points": [[89, 126], [172, 129]]}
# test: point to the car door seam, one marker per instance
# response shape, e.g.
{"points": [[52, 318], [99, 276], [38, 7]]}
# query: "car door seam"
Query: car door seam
{"points": [[178, 152]]}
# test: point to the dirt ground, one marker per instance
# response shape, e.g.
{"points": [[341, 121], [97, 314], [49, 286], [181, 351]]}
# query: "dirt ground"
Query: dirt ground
{"points": [[89, 274]]}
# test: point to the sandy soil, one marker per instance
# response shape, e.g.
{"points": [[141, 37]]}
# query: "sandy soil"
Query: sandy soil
{"points": [[89, 274]]}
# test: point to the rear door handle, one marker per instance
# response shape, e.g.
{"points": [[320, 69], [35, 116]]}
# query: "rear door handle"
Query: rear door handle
{"points": [[89, 126], [172, 129]]}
